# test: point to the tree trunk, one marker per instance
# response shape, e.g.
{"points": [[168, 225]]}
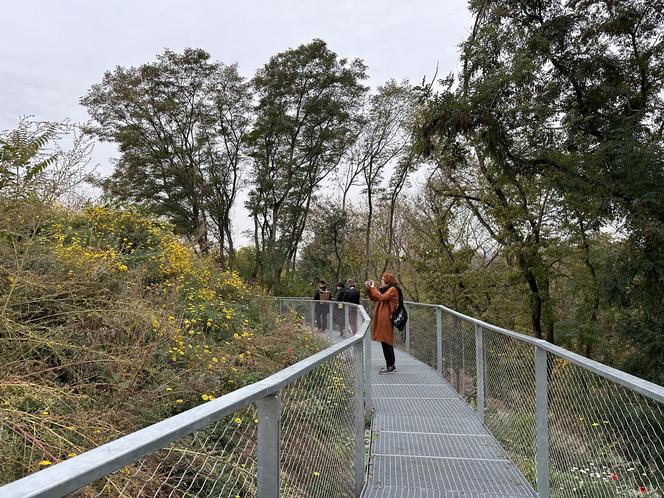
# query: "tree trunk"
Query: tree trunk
{"points": [[231, 247], [367, 236]]}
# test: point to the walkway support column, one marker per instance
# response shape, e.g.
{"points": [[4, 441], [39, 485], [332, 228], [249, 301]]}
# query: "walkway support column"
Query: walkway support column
{"points": [[358, 356], [479, 370], [542, 416], [269, 414], [439, 340], [330, 317]]}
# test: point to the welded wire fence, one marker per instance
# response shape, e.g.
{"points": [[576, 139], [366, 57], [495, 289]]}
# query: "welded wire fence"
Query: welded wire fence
{"points": [[573, 427], [422, 345], [297, 434], [317, 431], [459, 361], [509, 398], [605, 439], [219, 460]]}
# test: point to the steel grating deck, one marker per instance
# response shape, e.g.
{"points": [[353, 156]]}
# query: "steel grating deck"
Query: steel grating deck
{"points": [[428, 443]]}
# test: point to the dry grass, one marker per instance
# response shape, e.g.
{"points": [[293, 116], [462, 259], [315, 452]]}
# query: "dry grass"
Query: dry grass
{"points": [[108, 323]]}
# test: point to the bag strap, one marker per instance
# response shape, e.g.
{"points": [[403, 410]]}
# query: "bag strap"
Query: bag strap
{"points": [[400, 294]]}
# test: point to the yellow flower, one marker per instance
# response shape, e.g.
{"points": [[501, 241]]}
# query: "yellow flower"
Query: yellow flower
{"points": [[169, 388], [205, 397], [179, 401], [45, 462], [45, 412], [71, 454], [237, 420], [316, 474]]}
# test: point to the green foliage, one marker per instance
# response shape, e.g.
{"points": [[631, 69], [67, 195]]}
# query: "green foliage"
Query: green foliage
{"points": [[24, 155], [108, 323], [180, 124], [553, 132]]}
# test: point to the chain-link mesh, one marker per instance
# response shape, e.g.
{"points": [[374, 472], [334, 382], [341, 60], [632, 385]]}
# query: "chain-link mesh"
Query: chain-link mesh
{"points": [[317, 432], [605, 439], [219, 461], [459, 356], [304, 310], [509, 397], [423, 333]]}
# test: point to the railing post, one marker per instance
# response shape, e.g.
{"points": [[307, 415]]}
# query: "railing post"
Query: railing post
{"points": [[346, 313], [330, 317], [439, 340], [269, 414], [313, 315], [358, 353], [542, 416], [367, 371], [479, 370], [281, 307], [407, 329]]}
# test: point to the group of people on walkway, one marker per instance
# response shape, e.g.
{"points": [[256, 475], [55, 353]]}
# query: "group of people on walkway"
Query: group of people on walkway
{"points": [[386, 296], [343, 294]]}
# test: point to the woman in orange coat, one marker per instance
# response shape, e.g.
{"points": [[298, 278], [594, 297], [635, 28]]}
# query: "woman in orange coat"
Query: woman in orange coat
{"points": [[387, 298]]}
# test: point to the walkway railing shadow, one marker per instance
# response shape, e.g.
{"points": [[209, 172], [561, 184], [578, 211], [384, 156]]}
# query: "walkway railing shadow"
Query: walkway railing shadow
{"points": [[573, 426], [299, 433]]}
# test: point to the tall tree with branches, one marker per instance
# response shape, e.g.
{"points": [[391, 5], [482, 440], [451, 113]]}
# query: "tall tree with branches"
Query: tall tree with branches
{"points": [[308, 101]]}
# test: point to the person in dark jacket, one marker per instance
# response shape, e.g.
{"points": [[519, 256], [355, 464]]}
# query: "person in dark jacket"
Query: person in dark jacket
{"points": [[321, 311], [352, 295], [339, 308]]}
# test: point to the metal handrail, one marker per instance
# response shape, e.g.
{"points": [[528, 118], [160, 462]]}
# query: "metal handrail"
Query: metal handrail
{"points": [[541, 363], [70, 475], [642, 386]]}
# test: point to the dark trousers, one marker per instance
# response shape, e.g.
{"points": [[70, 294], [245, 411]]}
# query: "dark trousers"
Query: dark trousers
{"points": [[388, 353]]}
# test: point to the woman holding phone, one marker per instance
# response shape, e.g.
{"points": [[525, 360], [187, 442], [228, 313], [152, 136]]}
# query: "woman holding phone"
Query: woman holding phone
{"points": [[387, 300]]}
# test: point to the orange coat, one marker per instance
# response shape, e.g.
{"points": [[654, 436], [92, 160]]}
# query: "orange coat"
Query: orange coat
{"points": [[381, 327]]}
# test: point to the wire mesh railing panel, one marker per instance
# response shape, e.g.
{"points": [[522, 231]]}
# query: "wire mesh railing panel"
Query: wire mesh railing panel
{"points": [[509, 398], [218, 461], [459, 356], [423, 333], [354, 319], [605, 440], [317, 431], [300, 311]]}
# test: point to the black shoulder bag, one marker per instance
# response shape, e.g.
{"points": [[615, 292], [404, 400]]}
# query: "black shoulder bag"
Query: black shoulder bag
{"points": [[400, 315]]}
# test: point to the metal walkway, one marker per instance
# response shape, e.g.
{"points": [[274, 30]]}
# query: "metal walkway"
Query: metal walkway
{"points": [[426, 442]]}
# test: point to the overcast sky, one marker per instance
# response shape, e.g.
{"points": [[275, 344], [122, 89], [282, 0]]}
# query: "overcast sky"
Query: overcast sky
{"points": [[52, 51]]}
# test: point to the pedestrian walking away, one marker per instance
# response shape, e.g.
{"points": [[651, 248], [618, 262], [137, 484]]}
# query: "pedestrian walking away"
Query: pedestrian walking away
{"points": [[338, 317], [352, 295], [387, 300], [322, 310]]}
